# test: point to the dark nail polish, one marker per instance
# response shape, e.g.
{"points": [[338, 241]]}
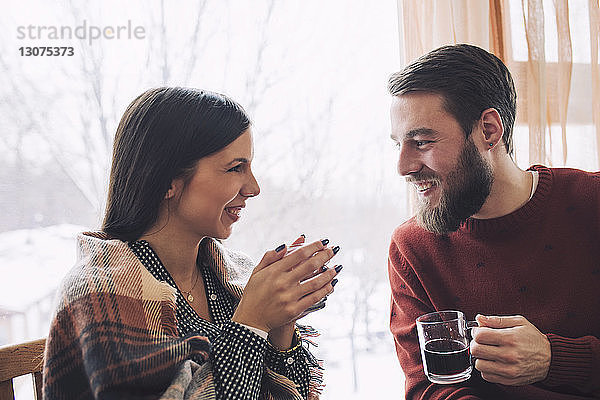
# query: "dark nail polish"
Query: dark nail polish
{"points": [[324, 268], [278, 249], [336, 249], [338, 269], [325, 242], [334, 282]]}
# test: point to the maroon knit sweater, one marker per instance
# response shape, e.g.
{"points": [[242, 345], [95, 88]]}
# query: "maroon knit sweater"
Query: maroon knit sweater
{"points": [[541, 261]]}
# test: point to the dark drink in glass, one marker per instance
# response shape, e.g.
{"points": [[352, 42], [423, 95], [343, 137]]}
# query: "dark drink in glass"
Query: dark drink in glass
{"points": [[447, 357], [445, 346]]}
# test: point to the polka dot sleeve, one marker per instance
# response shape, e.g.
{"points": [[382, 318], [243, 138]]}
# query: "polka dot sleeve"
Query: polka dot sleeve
{"points": [[291, 364], [237, 359]]}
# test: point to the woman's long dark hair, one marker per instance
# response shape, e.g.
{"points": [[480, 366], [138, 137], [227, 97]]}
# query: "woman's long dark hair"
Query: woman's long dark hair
{"points": [[161, 136]]}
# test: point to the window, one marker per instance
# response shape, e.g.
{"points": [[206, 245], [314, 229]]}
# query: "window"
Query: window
{"points": [[313, 77]]}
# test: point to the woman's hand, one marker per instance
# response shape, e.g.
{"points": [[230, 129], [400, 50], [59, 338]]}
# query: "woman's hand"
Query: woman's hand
{"points": [[282, 286]]}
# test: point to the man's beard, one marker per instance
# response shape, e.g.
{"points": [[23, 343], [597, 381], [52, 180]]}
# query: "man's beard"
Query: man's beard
{"points": [[465, 190]]}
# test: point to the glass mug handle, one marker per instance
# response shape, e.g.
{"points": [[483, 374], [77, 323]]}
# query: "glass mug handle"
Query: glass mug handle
{"points": [[469, 325]]}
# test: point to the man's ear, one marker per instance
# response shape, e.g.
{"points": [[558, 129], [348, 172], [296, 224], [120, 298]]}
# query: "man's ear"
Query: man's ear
{"points": [[492, 128]]}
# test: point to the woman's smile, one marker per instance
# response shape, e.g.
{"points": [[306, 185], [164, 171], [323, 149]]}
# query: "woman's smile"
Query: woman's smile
{"points": [[233, 212]]}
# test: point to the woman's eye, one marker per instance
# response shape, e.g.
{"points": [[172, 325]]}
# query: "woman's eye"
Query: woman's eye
{"points": [[237, 168]]}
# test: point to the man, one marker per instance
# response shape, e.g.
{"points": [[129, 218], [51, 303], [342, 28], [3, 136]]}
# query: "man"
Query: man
{"points": [[518, 250]]}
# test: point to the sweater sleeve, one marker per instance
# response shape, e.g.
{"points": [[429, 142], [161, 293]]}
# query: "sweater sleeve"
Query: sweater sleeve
{"points": [[575, 362], [409, 301]]}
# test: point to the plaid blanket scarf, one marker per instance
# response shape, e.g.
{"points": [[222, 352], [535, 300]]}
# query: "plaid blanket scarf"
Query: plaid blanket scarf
{"points": [[114, 334]]}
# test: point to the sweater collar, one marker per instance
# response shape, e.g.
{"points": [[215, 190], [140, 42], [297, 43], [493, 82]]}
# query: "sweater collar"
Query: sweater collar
{"points": [[519, 217]]}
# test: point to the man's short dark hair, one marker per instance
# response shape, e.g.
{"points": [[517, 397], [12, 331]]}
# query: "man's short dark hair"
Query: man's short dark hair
{"points": [[470, 80]]}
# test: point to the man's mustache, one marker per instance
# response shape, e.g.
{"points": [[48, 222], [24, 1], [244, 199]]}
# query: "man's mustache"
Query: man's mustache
{"points": [[423, 177]]}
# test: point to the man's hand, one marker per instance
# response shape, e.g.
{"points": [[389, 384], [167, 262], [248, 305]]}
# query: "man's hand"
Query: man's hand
{"points": [[510, 350]]}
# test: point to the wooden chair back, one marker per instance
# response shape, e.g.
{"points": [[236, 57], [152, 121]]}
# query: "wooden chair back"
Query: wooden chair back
{"points": [[21, 359]]}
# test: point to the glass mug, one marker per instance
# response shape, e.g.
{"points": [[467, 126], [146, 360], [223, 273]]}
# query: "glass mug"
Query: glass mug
{"points": [[445, 346]]}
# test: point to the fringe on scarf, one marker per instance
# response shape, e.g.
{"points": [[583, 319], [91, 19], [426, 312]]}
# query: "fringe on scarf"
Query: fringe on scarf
{"points": [[315, 365]]}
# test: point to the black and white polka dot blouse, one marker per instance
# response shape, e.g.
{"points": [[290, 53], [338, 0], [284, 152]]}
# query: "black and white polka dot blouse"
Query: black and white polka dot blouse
{"points": [[239, 355]]}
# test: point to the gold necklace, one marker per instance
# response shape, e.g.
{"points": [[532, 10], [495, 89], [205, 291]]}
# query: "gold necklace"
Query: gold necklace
{"points": [[188, 294]]}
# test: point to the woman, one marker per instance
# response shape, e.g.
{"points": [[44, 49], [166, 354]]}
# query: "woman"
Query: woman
{"points": [[155, 306]]}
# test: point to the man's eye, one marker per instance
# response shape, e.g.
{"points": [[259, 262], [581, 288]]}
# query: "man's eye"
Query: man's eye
{"points": [[421, 143]]}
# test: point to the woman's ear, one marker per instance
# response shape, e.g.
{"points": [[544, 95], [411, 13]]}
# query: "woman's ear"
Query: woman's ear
{"points": [[174, 189]]}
